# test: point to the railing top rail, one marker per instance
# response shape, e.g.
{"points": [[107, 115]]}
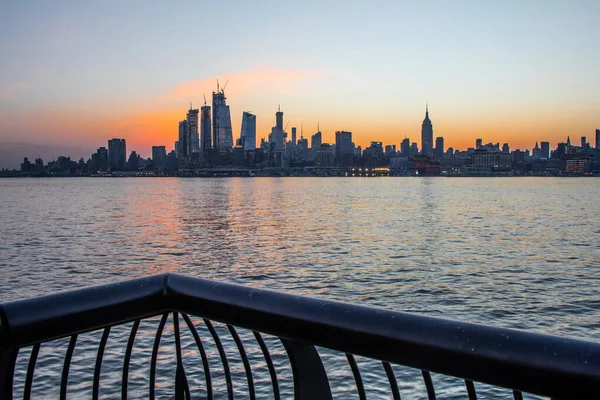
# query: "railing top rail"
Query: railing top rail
{"points": [[535, 363]]}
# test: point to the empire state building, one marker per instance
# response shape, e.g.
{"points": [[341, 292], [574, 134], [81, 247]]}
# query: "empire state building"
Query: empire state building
{"points": [[427, 135]]}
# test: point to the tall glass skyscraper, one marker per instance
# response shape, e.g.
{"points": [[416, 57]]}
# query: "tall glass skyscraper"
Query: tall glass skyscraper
{"points": [[192, 118], [222, 135], [183, 149], [205, 128], [248, 133], [427, 135]]}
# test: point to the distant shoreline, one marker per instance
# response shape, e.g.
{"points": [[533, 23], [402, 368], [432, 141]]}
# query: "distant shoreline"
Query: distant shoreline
{"points": [[296, 176]]}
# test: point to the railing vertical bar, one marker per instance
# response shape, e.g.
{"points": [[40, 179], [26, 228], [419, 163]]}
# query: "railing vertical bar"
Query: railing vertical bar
{"points": [[192, 328], [392, 378], [30, 370], [310, 377], [471, 389], [217, 340], [180, 378], [159, 330], [357, 378], [428, 384], [127, 360], [240, 346], [98, 367], [270, 365], [8, 359], [517, 395], [65, 373]]}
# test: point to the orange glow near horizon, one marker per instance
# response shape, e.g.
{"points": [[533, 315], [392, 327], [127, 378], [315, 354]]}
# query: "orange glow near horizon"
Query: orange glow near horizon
{"points": [[157, 123]]}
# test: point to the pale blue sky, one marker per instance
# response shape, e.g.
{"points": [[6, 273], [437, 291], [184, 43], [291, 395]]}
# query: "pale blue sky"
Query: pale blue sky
{"points": [[476, 62]]}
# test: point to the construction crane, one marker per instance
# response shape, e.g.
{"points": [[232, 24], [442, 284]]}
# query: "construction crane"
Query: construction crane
{"points": [[225, 85], [204, 99]]}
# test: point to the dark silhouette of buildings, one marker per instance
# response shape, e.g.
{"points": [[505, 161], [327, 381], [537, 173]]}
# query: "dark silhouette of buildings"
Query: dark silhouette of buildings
{"points": [[159, 157], [222, 133], [344, 148], [205, 128], [545, 150], [100, 160], [316, 140], [439, 148], [248, 131], [117, 153], [427, 135]]}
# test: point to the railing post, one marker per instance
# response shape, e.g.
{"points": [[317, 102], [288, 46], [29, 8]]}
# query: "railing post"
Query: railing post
{"points": [[8, 358], [310, 378]]}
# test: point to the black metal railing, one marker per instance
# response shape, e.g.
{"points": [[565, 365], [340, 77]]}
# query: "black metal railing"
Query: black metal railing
{"points": [[539, 364]]}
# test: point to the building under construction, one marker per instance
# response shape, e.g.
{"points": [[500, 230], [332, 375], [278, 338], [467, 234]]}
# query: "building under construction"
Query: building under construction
{"points": [[222, 133]]}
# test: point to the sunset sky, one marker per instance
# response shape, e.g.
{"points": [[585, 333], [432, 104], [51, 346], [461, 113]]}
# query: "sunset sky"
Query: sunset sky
{"points": [[74, 74]]}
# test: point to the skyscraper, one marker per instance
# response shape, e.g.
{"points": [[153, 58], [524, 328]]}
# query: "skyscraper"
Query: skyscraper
{"points": [[506, 148], [100, 159], [192, 119], [303, 144], [583, 141], [414, 149], [405, 147], [205, 128], [537, 152], [222, 134], [184, 139], [545, 150], [478, 144], [276, 138], [598, 139], [159, 156], [279, 118], [344, 148], [439, 148], [117, 153], [294, 134], [427, 135], [316, 140], [248, 133]]}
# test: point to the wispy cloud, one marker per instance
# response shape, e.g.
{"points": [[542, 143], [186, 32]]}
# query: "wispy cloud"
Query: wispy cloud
{"points": [[14, 90], [263, 80]]}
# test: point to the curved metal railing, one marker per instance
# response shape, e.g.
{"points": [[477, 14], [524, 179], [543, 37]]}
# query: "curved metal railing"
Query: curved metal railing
{"points": [[520, 361]]}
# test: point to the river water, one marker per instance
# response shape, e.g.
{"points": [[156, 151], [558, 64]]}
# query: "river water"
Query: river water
{"points": [[512, 252]]}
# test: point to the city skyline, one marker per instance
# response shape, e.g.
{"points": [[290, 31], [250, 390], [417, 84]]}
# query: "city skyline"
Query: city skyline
{"points": [[192, 144], [503, 71]]}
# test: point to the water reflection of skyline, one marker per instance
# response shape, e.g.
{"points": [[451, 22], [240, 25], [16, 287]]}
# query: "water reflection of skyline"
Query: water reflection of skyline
{"points": [[493, 251], [454, 247]]}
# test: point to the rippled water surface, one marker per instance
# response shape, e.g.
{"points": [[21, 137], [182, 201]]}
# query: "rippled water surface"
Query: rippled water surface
{"points": [[512, 252]]}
